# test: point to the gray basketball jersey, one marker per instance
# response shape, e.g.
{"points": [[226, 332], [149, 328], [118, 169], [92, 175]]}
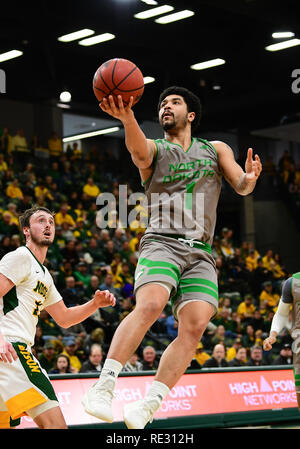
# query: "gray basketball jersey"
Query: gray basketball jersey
{"points": [[295, 331], [183, 190]]}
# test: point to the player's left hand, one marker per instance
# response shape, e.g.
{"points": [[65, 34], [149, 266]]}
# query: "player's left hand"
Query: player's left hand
{"points": [[253, 167], [104, 298], [268, 342], [117, 110]]}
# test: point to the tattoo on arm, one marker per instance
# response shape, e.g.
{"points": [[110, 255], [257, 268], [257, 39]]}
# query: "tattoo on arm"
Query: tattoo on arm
{"points": [[243, 187], [242, 184]]}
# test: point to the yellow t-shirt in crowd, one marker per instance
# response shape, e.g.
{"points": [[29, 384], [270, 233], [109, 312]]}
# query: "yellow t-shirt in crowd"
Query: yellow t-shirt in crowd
{"points": [[39, 191], [271, 298], [202, 357], [231, 353], [243, 309], [92, 191], [3, 166], [267, 262], [74, 360], [60, 219], [14, 192], [251, 263], [55, 147]]}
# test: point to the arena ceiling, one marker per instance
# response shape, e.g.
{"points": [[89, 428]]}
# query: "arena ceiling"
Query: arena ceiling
{"points": [[254, 84]]}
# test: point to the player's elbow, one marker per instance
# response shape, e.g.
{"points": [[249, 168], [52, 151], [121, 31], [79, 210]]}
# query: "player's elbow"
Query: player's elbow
{"points": [[63, 320], [64, 323], [242, 192]]}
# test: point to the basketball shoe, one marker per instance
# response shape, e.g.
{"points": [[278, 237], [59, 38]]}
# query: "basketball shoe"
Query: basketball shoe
{"points": [[98, 400], [139, 413]]}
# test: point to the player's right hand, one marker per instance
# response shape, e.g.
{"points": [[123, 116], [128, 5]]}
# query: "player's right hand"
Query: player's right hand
{"points": [[118, 111], [103, 298], [7, 351], [268, 342]]}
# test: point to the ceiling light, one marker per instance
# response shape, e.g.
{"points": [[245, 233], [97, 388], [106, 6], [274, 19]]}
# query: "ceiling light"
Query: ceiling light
{"points": [[216, 87], [174, 17], [154, 12], [10, 55], [283, 45], [63, 105], [96, 39], [91, 134], [150, 2], [208, 64], [65, 97], [76, 35], [283, 34], [148, 79]]}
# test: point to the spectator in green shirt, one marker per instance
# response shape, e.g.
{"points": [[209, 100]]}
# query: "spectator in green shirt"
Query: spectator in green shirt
{"points": [[48, 357], [81, 275]]}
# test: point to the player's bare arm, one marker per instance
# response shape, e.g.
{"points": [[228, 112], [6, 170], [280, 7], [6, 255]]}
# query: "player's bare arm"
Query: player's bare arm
{"points": [[243, 182], [7, 352], [280, 320], [66, 317], [142, 150]]}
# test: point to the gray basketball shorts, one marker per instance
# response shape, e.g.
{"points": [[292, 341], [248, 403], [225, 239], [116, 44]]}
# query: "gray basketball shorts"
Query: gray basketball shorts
{"points": [[296, 370], [191, 271]]}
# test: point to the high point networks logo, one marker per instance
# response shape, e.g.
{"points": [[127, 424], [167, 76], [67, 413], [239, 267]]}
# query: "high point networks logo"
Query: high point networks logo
{"points": [[2, 82], [263, 392]]}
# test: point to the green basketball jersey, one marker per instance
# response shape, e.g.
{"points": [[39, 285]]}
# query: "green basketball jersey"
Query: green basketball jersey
{"points": [[183, 190]]}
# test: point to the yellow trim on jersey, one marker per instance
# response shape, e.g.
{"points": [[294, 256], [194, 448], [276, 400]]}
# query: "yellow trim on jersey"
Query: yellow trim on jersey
{"points": [[24, 401], [4, 420]]}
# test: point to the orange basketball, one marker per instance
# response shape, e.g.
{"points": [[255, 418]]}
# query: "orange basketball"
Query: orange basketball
{"points": [[118, 77]]}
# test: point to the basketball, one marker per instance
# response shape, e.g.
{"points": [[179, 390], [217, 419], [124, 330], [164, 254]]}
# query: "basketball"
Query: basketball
{"points": [[118, 77]]}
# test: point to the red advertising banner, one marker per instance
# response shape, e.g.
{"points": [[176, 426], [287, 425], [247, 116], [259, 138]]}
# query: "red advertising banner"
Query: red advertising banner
{"points": [[194, 394]]}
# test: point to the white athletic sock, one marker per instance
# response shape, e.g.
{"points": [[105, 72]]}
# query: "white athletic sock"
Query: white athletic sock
{"points": [[111, 368], [158, 390]]}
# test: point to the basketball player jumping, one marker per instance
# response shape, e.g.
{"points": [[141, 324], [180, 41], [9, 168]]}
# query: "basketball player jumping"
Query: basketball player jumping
{"points": [[175, 255], [26, 287]]}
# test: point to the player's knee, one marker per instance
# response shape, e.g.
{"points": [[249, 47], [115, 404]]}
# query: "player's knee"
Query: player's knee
{"points": [[53, 425], [197, 332], [154, 307], [193, 331], [151, 301], [51, 418], [151, 309]]}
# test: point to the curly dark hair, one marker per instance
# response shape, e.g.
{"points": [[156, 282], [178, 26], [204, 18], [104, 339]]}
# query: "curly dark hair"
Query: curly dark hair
{"points": [[192, 101]]}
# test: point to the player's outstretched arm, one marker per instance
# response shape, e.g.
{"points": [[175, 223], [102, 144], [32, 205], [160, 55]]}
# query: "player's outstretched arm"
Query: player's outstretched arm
{"points": [[7, 352], [243, 182], [66, 317], [142, 150]]}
